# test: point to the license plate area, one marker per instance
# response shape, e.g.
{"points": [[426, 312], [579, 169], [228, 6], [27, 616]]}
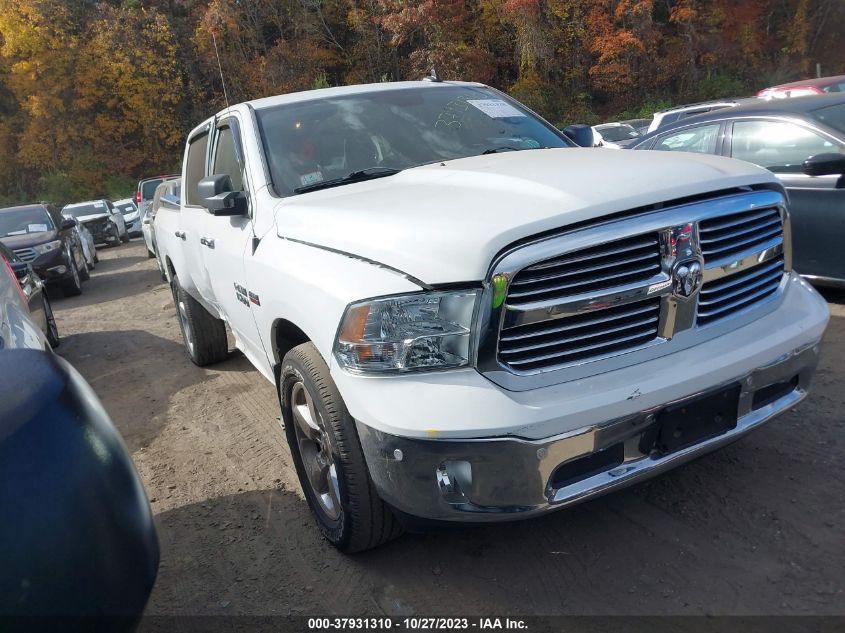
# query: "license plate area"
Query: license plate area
{"points": [[688, 423]]}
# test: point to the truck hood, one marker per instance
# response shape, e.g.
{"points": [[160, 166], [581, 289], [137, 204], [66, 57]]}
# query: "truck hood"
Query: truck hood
{"points": [[445, 222]]}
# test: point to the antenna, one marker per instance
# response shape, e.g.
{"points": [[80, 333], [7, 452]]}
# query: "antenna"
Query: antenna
{"points": [[220, 69]]}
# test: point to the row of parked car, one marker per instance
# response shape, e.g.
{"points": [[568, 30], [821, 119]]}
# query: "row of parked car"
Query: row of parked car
{"points": [[64, 470], [801, 139], [60, 246]]}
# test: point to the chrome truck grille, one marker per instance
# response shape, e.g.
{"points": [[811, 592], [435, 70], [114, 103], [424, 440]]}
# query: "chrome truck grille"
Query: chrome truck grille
{"points": [[26, 254], [605, 266], [726, 236], [617, 293], [578, 337]]}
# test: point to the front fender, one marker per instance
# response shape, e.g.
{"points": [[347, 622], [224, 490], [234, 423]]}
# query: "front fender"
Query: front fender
{"points": [[311, 287]]}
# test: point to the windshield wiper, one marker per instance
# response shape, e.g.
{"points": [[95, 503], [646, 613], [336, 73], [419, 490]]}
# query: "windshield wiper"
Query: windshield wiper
{"points": [[370, 173], [503, 148]]}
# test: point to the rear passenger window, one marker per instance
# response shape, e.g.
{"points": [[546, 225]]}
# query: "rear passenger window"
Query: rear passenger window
{"points": [[226, 158], [195, 168], [701, 139], [777, 145]]}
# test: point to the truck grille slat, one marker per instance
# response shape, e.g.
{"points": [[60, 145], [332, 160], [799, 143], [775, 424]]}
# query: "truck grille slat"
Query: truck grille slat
{"points": [[739, 232], [591, 254], [580, 337], [599, 318], [612, 264], [714, 297], [769, 224], [723, 298], [726, 222], [592, 283], [582, 271]]}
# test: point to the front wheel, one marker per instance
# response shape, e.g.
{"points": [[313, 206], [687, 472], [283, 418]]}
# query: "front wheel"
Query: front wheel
{"points": [[124, 238], [204, 335], [84, 273], [73, 286], [328, 458]]}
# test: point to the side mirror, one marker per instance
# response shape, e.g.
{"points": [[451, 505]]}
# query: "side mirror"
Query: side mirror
{"points": [[217, 195], [68, 223], [581, 134], [825, 164]]}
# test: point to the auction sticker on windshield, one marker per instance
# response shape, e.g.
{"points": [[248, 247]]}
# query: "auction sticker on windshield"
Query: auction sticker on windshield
{"points": [[36, 228], [495, 108]]}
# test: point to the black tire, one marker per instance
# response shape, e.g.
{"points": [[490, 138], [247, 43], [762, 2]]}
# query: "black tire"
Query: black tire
{"points": [[84, 274], [73, 286], [52, 329], [204, 335], [125, 237], [150, 254], [161, 270], [96, 258], [357, 518]]}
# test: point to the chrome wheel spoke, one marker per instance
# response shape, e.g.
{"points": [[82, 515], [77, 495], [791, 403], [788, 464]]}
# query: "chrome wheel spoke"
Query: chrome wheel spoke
{"points": [[304, 413], [315, 450]]}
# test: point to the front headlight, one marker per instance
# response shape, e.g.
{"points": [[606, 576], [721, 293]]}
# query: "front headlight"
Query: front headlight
{"points": [[414, 332], [48, 247]]}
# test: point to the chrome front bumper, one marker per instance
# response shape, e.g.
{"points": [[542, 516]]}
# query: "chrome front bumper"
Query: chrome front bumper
{"points": [[510, 478]]}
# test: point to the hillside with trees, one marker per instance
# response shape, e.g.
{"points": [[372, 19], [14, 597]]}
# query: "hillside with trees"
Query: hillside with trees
{"points": [[95, 94]]}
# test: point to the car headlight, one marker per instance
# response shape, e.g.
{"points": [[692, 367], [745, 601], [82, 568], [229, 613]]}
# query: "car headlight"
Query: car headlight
{"points": [[47, 247], [413, 332]]}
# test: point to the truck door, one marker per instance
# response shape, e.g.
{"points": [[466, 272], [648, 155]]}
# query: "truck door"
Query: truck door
{"points": [[193, 218], [226, 240]]}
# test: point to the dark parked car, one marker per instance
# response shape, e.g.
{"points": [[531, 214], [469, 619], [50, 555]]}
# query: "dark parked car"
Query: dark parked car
{"points": [[22, 291], [77, 536], [40, 236], [781, 135]]}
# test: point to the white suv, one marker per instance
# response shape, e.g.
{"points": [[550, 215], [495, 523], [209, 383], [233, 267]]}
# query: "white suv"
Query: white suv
{"points": [[469, 319]]}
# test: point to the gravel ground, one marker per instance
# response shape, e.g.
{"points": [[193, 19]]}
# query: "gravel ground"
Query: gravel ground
{"points": [[756, 528]]}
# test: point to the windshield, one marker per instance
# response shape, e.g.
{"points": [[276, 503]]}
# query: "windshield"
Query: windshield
{"points": [[614, 133], [148, 188], [125, 208], [81, 210], [832, 116], [328, 139], [25, 220]]}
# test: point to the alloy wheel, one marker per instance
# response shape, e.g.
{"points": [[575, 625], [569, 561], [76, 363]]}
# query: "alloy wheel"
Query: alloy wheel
{"points": [[315, 449]]}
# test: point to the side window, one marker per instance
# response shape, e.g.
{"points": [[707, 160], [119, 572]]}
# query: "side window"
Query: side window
{"points": [[776, 145], [195, 168], [226, 156], [701, 139]]}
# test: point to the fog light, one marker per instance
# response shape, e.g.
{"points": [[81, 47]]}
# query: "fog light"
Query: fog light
{"points": [[454, 477]]}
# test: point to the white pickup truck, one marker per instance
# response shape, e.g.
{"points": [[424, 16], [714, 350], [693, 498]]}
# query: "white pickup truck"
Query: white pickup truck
{"points": [[469, 318]]}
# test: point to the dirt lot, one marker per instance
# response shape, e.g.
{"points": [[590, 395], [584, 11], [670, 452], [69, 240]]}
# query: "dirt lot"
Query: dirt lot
{"points": [[756, 528]]}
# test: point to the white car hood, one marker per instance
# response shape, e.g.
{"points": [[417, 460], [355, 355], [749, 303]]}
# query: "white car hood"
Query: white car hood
{"points": [[85, 218], [446, 222]]}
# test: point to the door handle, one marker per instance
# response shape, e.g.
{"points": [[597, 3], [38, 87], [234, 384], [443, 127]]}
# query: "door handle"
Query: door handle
{"points": [[207, 241], [180, 234]]}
